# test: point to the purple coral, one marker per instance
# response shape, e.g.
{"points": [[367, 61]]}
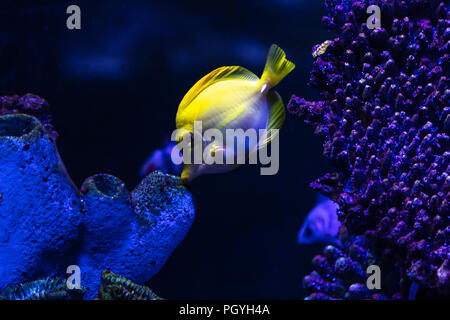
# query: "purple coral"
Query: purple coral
{"points": [[340, 273], [30, 104], [384, 118]]}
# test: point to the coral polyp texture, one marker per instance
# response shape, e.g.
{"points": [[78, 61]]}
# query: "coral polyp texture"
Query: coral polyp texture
{"points": [[115, 287], [112, 287], [340, 273], [384, 118], [47, 224], [43, 289]]}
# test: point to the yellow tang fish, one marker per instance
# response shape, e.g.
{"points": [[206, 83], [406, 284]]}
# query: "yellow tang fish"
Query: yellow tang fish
{"points": [[233, 98]]}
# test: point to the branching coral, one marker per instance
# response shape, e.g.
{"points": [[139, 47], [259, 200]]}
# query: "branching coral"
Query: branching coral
{"points": [[385, 120], [340, 273]]}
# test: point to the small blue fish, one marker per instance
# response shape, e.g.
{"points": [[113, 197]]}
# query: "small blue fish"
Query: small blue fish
{"points": [[161, 160], [321, 223]]}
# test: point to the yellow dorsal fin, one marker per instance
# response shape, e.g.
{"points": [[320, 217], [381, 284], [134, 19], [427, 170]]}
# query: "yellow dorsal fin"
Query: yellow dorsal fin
{"points": [[277, 115], [277, 66], [220, 74]]}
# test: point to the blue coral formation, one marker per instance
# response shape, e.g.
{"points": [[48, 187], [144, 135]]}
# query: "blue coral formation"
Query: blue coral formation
{"points": [[131, 234], [39, 206], [47, 224], [384, 118]]}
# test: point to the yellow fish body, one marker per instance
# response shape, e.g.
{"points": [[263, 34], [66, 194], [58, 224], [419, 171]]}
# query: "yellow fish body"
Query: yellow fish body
{"points": [[233, 98]]}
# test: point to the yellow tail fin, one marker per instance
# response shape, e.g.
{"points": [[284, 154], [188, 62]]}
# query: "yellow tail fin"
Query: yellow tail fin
{"points": [[277, 66]]}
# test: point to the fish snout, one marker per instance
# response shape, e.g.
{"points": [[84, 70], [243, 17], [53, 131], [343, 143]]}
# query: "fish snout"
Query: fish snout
{"points": [[190, 172]]}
